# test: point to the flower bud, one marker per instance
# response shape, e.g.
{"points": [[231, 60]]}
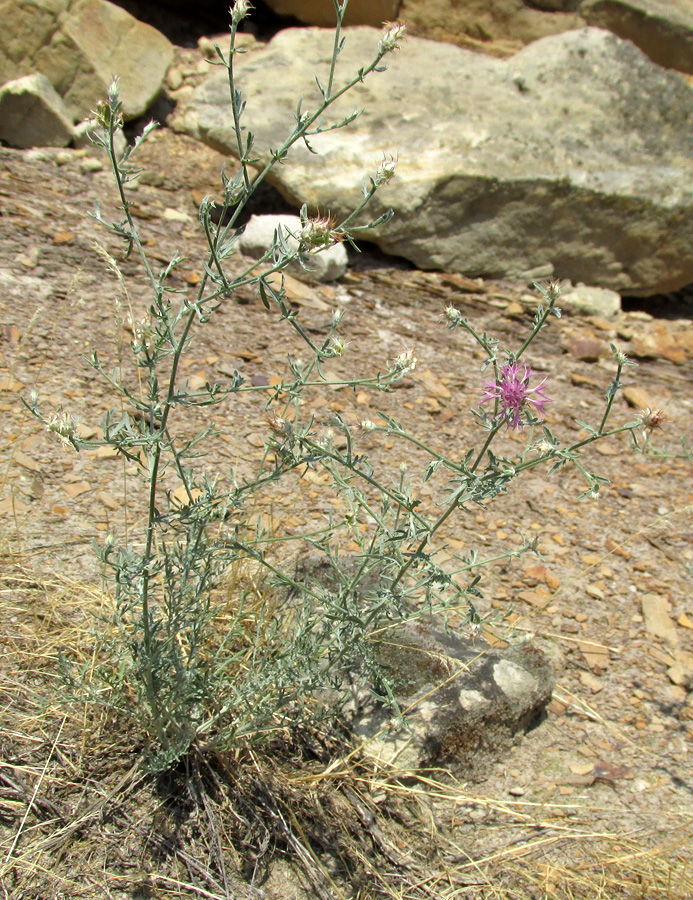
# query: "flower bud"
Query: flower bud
{"points": [[239, 11]]}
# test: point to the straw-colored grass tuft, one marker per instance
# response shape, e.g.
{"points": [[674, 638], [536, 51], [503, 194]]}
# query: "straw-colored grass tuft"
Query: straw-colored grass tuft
{"points": [[303, 815]]}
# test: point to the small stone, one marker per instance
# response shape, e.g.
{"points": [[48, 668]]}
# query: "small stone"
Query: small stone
{"points": [[22, 459], [434, 385], [586, 348], [108, 500], [539, 599], [174, 78], [91, 164], [592, 301], [74, 490], [12, 506], [638, 398]]}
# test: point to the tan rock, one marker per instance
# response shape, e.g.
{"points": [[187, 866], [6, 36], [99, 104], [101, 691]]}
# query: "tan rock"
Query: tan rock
{"points": [[639, 398], [655, 610]]}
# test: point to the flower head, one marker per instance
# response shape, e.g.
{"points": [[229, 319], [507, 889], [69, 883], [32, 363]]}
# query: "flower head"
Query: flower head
{"points": [[513, 393], [452, 316], [318, 233], [338, 346]]}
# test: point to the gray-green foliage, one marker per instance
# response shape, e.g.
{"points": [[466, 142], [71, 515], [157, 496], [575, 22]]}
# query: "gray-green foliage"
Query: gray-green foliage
{"points": [[192, 682]]}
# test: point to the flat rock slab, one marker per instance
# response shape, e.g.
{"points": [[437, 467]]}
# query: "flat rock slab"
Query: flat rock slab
{"points": [[575, 154]]}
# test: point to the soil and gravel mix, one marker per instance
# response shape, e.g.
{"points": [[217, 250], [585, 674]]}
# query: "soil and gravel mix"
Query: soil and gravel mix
{"points": [[601, 789]]}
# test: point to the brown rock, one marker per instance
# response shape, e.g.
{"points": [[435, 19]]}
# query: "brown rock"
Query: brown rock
{"points": [[588, 349]]}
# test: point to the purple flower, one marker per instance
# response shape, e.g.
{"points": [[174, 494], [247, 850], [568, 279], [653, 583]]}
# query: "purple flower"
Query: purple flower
{"points": [[513, 392]]}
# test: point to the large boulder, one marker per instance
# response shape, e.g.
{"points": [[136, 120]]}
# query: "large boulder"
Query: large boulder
{"points": [[79, 45], [576, 152], [661, 28], [33, 115], [322, 12]]}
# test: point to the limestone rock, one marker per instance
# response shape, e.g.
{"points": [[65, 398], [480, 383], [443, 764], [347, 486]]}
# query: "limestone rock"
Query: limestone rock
{"points": [[464, 703], [79, 45], [467, 703], [327, 265], [322, 13], [32, 114], [663, 29], [575, 153]]}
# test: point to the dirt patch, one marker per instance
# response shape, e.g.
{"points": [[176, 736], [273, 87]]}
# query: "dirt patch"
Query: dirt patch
{"points": [[610, 600]]}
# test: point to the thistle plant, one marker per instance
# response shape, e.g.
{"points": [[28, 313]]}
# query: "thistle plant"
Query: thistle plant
{"points": [[193, 683]]}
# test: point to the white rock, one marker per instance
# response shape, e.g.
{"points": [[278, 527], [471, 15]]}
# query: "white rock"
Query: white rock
{"points": [[327, 265], [593, 301]]}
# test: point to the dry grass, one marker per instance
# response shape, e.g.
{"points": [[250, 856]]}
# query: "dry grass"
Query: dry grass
{"points": [[78, 819]]}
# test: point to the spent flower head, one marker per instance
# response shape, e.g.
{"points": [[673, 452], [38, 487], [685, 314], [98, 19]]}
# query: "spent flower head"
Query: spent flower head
{"points": [[64, 425], [651, 419], [513, 393], [389, 40], [404, 363]]}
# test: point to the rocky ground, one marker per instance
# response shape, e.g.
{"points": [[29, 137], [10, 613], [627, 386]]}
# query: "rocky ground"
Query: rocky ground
{"points": [[610, 601]]}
